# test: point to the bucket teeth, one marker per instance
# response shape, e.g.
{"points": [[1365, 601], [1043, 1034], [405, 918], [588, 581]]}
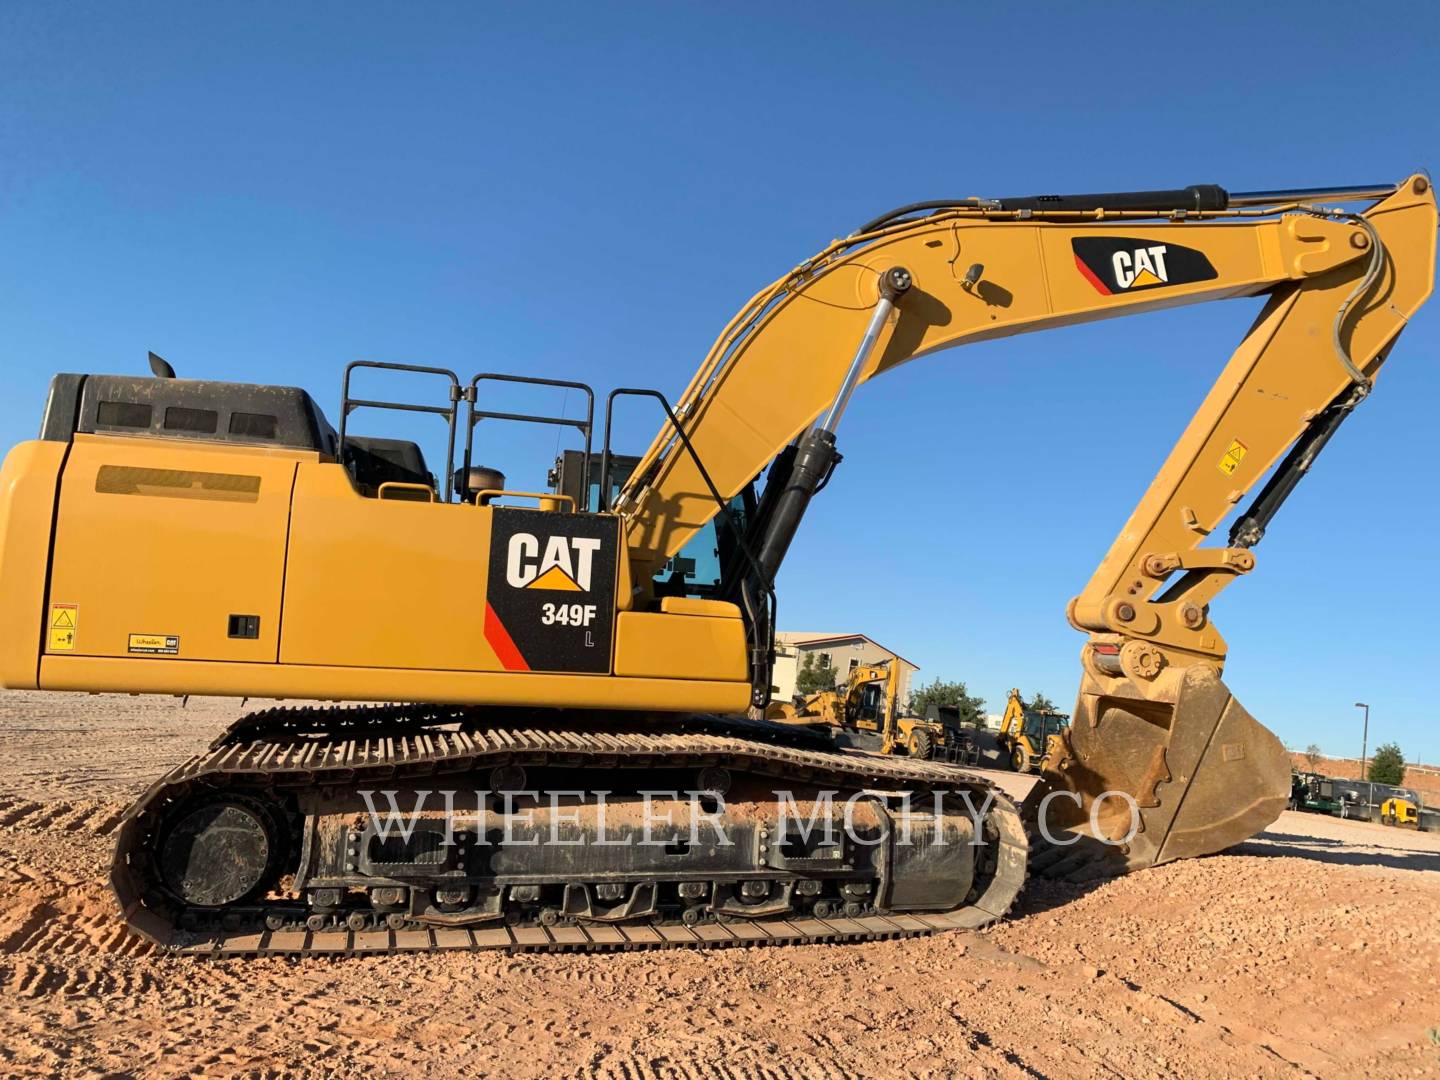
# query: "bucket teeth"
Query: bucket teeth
{"points": [[1151, 774]]}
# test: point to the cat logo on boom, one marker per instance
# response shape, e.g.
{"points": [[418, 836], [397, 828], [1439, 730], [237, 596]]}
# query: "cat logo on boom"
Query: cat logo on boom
{"points": [[1146, 266], [1121, 264]]}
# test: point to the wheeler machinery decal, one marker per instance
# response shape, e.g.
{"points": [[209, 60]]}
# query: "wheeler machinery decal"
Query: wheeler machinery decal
{"points": [[155, 644]]}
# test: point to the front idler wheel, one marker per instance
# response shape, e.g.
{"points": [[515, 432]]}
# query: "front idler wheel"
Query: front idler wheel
{"points": [[220, 849]]}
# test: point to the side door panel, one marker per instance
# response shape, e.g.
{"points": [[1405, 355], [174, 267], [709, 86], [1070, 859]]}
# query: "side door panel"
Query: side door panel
{"points": [[445, 587], [158, 544]]}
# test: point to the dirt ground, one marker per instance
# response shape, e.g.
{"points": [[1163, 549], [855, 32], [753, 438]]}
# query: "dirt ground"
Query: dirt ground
{"points": [[1312, 950]]}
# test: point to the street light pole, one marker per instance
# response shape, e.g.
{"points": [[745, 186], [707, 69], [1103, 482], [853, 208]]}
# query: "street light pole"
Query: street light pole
{"points": [[1364, 738], [1364, 750]]}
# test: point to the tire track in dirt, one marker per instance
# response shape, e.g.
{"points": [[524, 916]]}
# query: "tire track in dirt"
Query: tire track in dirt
{"points": [[663, 1067], [84, 926], [23, 919], [98, 816], [30, 978]]}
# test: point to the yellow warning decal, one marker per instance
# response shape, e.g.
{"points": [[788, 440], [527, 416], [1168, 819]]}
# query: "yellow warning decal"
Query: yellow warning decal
{"points": [[155, 644], [1233, 456], [557, 579], [64, 625]]}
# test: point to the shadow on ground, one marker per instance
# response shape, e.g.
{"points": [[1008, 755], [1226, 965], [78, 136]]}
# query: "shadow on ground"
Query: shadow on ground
{"points": [[1335, 852], [1041, 895]]}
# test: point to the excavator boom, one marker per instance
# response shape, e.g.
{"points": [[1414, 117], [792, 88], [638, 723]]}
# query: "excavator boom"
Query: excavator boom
{"points": [[979, 273]]}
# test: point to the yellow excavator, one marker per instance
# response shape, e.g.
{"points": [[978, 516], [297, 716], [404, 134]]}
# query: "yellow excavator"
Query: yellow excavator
{"points": [[866, 714], [1032, 737], [603, 641]]}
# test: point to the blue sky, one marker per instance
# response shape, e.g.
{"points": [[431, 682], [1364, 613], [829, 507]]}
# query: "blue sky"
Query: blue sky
{"points": [[265, 193]]}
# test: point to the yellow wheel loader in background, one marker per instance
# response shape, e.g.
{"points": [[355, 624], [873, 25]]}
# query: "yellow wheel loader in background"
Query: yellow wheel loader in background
{"points": [[1032, 738], [172, 536], [866, 714]]}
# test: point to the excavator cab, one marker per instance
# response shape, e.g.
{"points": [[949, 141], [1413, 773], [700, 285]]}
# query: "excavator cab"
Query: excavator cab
{"points": [[705, 567]]}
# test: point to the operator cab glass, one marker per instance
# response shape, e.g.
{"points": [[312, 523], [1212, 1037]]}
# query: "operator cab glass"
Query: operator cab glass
{"points": [[1040, 726], [871, 704], [699, 569]]}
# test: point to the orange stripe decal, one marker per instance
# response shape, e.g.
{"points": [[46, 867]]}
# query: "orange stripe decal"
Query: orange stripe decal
{"points": [[501, 641], [1090, 276]]}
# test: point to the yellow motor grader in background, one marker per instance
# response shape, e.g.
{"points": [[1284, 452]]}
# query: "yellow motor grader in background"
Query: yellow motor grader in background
{"points": [[1032, 737], [866, 714], [176, 536]]}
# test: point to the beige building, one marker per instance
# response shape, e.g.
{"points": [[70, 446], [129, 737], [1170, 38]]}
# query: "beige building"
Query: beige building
{"points": [[846, 652]]}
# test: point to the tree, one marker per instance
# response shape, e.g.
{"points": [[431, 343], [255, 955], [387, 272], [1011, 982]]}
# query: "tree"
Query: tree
{"points": [[1388, 765], [1312, 756], [1041, 703], [816, 674], [972, 709]]}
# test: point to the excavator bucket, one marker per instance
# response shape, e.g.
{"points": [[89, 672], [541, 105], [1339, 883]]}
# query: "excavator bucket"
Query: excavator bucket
{"points": [[1169, 770]]}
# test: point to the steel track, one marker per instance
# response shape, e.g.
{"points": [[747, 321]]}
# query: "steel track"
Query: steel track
{"points": [[298, 748]]}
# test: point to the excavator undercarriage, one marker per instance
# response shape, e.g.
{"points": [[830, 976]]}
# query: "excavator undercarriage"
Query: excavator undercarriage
{"points": [[391, 829]]}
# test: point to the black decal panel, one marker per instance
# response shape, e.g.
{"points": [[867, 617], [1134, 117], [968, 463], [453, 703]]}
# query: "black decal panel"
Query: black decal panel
{"points": [[1121, 264], [550, 599]]}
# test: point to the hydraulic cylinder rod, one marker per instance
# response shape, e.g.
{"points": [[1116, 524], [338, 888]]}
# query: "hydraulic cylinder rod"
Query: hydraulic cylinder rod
{"points": [[817, 456], [1304, 195], [893, 284]]}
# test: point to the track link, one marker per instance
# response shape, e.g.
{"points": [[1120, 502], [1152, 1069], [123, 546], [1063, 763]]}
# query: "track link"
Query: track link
{"points": [[295, 749]]}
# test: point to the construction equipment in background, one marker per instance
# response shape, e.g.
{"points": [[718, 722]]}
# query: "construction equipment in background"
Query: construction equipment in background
{"points": [[1362, 800], [1398, 811], [169, 536], [866, 714], [1315, 794], [970, 743], [1032, 737]]}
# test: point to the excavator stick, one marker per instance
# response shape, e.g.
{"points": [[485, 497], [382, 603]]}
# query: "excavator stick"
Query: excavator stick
{"points": [[1153, 773], [1161, 762]]}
